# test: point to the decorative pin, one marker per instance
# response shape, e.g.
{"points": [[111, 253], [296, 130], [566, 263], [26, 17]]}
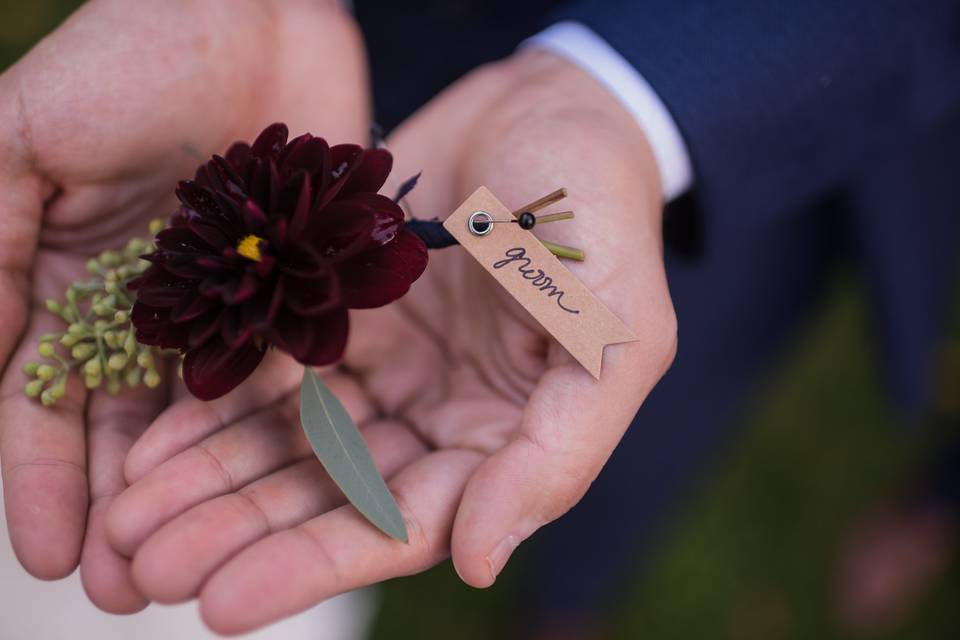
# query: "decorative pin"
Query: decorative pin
{"points": [[480, 223]]}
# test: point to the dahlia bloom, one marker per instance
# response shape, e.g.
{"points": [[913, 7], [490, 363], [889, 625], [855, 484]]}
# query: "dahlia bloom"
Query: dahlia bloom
{"points": [[270, 246]]}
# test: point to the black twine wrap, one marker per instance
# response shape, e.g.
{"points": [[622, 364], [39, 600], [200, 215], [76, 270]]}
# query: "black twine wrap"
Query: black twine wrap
{"points": [[432, 233]]}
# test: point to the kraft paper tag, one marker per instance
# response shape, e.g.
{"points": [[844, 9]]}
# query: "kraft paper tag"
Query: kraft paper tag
{"points": [[539, 282]]}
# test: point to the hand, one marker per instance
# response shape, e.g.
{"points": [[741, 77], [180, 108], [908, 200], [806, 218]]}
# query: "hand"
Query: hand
{"points": [[97, 124], [487, 428]]}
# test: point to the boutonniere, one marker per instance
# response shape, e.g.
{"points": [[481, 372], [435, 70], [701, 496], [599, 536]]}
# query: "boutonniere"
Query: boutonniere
{"points": [[271, 245]]}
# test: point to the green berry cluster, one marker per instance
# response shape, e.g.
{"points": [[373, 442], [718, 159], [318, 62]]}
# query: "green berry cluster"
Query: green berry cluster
{"points": [[100, 341]]}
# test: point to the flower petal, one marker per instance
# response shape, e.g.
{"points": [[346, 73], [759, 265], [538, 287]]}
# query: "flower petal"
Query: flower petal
{"points": [[278, 233], [344, 159], [154, 327], [301, 210], [351, 225], [314, 296], [158, 288], [211, 216], [253, 217], [189, 267], [342, 229], [205, 327], [242, 288], [212, 234], [214, 369], [233, 331], [290, 333], [370, 174], [237, 156], [270, 142], [198, 199], [311, 155], [314, 341], [259, 185], [356, 170], [182, 240], [388, 216], [329, 341], [381, 275], [191, 308], [260, 311], [232, 182]]}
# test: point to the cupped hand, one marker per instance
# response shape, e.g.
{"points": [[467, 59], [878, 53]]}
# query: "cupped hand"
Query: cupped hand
{"points": [[485, 427], [97, 124]]}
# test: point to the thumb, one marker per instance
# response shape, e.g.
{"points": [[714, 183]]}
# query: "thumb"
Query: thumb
{"points": [[21, 205], [570, 427], [41, 450]]}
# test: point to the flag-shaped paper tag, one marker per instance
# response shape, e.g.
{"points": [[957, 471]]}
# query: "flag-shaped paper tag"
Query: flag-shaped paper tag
{"points": [[539, 282]]}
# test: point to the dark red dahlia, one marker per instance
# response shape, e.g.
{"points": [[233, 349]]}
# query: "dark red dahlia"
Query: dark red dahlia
{"points": [[271, 245]]}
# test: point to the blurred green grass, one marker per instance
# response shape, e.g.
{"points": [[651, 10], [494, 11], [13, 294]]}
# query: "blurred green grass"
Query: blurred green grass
{"points": [[22, 23], [751, 557]]}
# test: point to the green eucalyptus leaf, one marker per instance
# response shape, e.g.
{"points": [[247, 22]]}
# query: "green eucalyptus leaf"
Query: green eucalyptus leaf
{"points": [[341, 450]]}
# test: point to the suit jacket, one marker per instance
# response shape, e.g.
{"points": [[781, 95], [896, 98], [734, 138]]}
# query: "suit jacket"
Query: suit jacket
{"points": [[848, 109]]}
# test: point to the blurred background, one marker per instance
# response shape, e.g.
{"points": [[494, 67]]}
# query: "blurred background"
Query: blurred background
{"points": [[756, 551]]}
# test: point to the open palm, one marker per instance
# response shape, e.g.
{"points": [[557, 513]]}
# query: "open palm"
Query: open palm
{"points": [[99, 122], [486, 428]]}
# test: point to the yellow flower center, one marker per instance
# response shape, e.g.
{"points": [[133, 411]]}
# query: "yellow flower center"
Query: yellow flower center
{"points": [[249, 248]]}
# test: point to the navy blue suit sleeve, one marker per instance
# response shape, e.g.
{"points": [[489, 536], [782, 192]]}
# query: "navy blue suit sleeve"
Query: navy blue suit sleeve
{"points": [[780, 102]]}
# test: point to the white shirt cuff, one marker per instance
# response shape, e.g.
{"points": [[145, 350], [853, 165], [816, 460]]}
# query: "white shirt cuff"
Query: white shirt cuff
{"points": [[583, 47]]}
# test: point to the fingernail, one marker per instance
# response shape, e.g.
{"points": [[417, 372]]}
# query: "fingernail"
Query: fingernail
{"points": [[501, 553]]}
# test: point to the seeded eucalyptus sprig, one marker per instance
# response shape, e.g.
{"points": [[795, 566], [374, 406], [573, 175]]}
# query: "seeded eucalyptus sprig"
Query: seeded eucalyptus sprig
{"points": [[100, 341]]}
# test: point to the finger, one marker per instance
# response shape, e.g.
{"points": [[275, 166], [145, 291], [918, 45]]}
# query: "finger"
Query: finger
{"points": [[569, 429], [190, 420], [339, 551], [173, 563], [223, 463], [115, 424], [44, 469]]}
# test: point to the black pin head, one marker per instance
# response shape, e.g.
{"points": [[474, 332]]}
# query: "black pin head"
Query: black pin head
{"points": [[527, 220]]}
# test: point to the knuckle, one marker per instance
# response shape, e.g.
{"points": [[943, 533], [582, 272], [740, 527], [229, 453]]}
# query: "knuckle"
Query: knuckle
{"points": [[216, 465], [246, 502], [45, 464], [323, 556]]}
